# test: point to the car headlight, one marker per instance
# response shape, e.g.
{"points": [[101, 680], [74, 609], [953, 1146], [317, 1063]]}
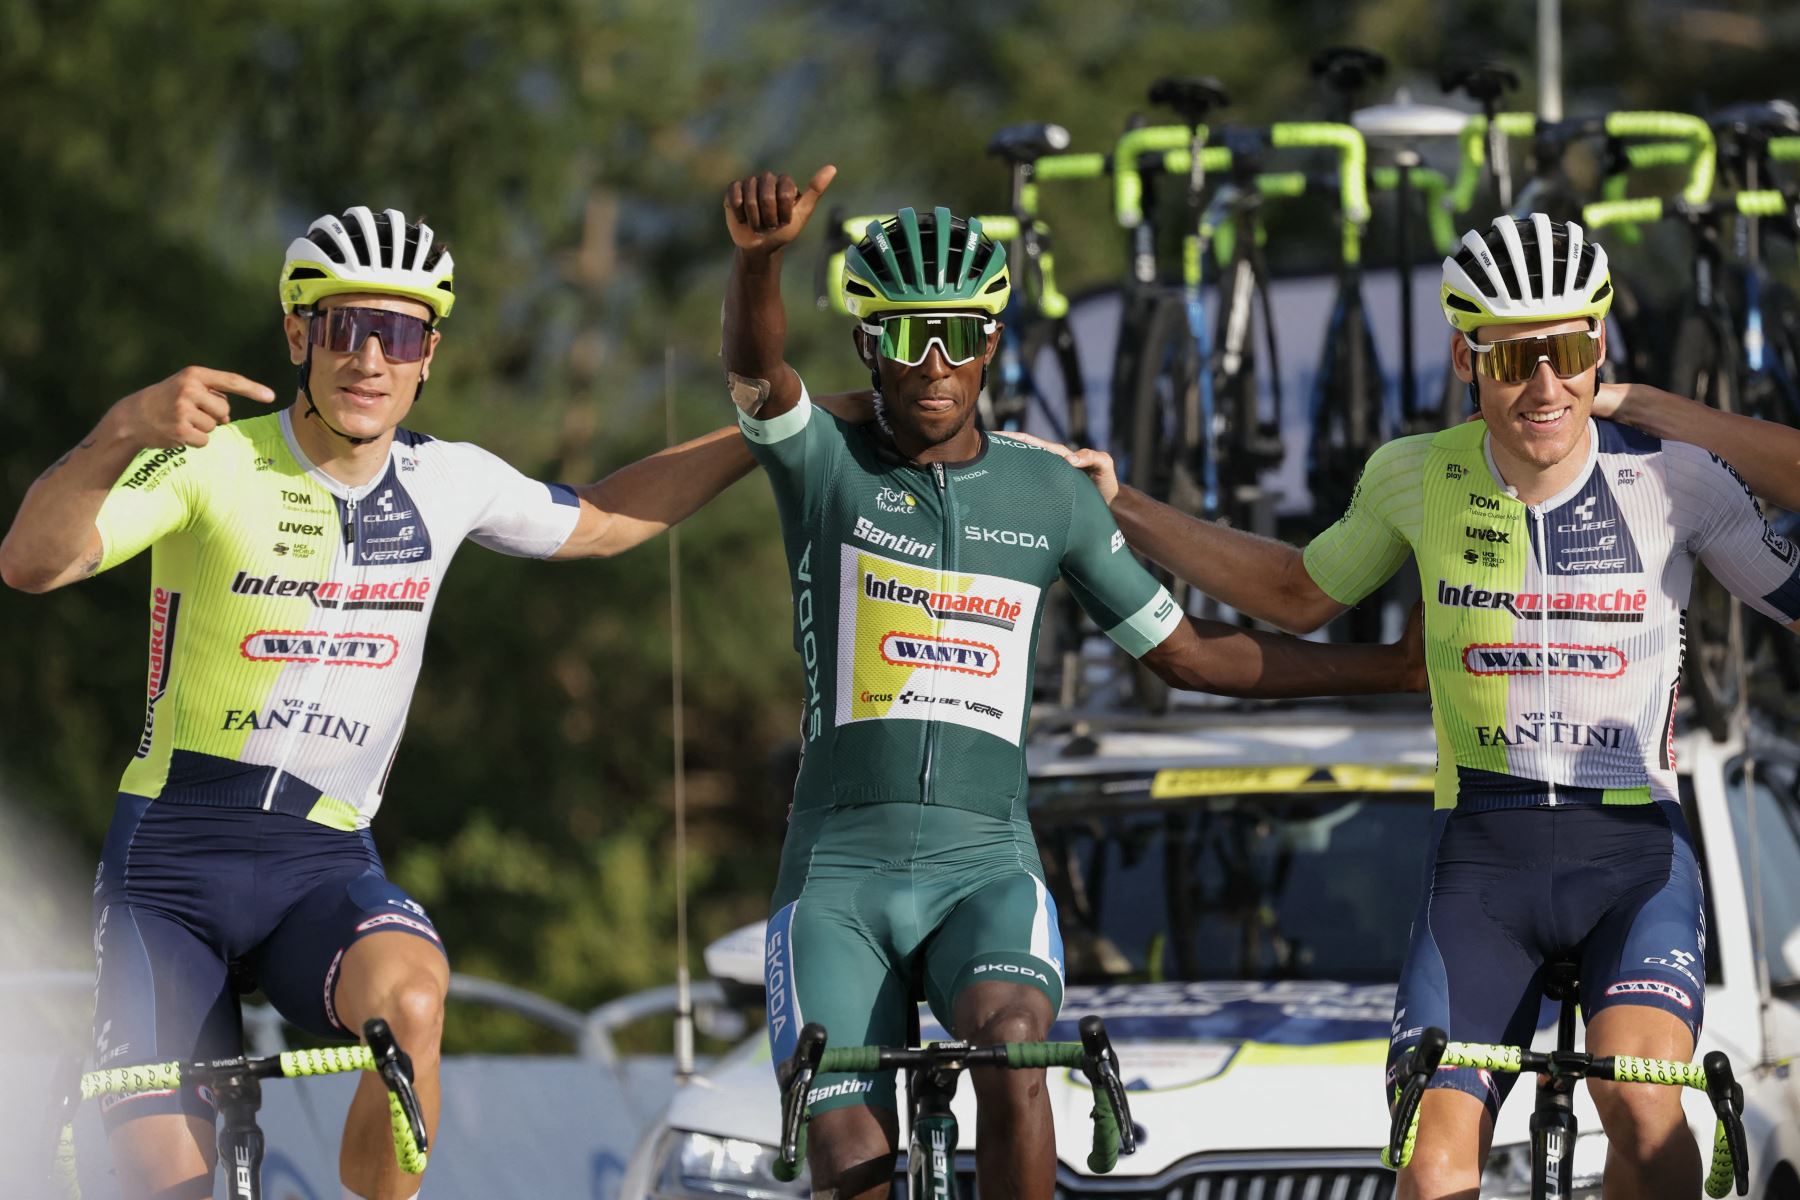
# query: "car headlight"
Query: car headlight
{"points": [[1508, 1173], [691, 1165]]}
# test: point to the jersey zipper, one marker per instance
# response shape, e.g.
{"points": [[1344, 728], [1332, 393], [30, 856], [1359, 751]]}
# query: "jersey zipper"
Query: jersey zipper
{"points": [[1543, 545], [945, 554]]}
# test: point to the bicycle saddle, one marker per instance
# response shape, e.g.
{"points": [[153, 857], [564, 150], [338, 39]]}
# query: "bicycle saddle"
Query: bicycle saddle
{"points": [[1029, 142], [1776, 118], [1485, 82], [1562, 980], [1191, 96], [1347, 69]]}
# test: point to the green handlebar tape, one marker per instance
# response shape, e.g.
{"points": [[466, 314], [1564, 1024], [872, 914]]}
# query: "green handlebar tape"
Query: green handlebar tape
{"points": [[1069, 166], [1516, 124], [406, 1151], [1723, 1173], [1406, 1147], [1602, 213], [1762, 204], [788, 1172], [1630, 1069], [329, 1061], [1105, 1154], [1642, 156], [1353, 158], [1002, 227], [1484, 1058], [1688, 128], [1212, 158], [1128, 182], [151, 1077], [849, 1059], [1282, 183], [857, 227], [1784, 149], [1043, 1054]]}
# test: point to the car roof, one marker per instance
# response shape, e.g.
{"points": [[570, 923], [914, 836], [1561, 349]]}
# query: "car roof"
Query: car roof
{"points": [[1314, 736]]}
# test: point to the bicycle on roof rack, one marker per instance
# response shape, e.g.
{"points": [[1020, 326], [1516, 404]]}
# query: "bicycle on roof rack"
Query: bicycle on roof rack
{"points": [[932, 1072], [236, 1087]]}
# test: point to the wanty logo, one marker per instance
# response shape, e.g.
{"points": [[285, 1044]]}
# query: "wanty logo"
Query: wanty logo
{"points": [[941, 654], [315, 645], [945, 606], [1651, 987], [1557, 658], [405, 922], [165, 606]]}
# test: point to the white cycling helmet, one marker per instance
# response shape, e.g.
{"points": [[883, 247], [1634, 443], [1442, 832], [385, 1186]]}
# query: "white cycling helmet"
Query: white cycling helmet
{"points": [[1525, 269], [363, 252]]}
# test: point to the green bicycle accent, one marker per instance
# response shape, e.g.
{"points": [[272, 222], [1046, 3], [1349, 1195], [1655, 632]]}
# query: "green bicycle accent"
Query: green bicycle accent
{"points": [[1128, 177], [1784, 149], [1764, 202], [1434, 188], [1472, 152]]}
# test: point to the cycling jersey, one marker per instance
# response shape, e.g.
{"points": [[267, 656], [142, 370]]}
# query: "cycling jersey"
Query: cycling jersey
{"points": [[917, 599], [1553, 632], [288, 610], [917, 594]]}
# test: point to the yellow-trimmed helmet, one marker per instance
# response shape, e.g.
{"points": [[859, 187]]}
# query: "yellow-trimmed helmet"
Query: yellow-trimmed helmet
{"points": [[933, 263], [1525, 269], [362, 252]]}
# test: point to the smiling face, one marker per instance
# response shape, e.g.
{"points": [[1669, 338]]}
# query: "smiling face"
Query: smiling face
{"points": [[361, 392], [931, 404], [1543, 420]]}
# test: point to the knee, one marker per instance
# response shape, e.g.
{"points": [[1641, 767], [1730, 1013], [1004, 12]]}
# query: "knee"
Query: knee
{"points": [[1011, 1024], [414, 1006], [1640, 1118]]}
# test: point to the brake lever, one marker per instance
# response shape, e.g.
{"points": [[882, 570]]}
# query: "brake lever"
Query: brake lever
{"points": [[1727, 1096], [1097, 1045], [1421, 1064], [394, 1065], [795, 1077]]}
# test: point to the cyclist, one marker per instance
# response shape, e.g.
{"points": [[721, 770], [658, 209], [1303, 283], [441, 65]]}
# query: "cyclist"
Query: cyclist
{"points": [[1555, 553], [295, 561], [920, 549]]}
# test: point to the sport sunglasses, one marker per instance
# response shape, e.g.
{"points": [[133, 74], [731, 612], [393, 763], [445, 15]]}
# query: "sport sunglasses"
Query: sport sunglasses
{"points": [[907, 338], [403, 336], [1516, 359]]}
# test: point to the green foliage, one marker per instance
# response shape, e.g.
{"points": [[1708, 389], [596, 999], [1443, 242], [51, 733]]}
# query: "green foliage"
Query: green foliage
{"points": [[159, 156]]}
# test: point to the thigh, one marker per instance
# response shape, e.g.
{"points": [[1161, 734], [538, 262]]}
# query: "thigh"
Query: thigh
{"points": [[1472, 965], [299, 965], [1001, 930], [1648, 949], [822, 966], [161, 993]]}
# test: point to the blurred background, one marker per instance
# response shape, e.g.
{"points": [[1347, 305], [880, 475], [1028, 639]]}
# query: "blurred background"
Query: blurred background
{"points": [[156, 158]]}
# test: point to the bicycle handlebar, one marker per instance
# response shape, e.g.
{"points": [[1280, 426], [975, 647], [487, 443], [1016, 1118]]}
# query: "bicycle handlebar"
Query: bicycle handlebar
{"points": [[1766, 202], [1730, 1158], [1128, 179], [382, 1055], [1683, 127], [1093, 1056]]}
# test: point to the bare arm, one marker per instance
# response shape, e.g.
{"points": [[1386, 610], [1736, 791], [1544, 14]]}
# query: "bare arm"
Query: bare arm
{"points": [[1266, 579], [640, 501], [1207, 656], [764, 213], [1765, 453], [54, 540]]}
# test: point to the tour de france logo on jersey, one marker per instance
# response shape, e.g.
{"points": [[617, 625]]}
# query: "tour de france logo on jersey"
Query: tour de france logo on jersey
{"points": [[916, 643]]}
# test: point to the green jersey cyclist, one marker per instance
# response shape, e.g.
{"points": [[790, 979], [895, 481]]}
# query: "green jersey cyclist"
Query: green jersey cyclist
{"points": [[1555, 553], [295, 560], [920, 551]]}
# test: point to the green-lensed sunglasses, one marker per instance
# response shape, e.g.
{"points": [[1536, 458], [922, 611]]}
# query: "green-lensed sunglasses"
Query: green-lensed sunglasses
{"points": [[907, 338]]}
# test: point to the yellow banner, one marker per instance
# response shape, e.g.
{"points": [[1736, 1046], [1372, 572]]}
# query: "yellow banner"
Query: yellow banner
{"points": [[1177, 782]]}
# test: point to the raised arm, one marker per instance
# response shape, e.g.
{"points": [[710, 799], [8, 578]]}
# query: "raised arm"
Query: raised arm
{"points": [[1765, 453], [764, 213], [54, 539], [1207, 656]]}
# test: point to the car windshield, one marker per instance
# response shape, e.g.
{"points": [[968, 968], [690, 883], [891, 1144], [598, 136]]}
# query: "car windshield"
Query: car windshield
{"points": [[1153, 885]]}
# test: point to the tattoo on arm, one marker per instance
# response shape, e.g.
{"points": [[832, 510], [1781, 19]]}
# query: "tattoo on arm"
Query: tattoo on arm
{"points": [[91, 564], [60, 463]]}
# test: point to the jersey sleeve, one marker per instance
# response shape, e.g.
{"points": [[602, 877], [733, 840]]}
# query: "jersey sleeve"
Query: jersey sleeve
{"points": [[796, 450], [153, 498], [1366, 545], [516, 514], [1730, 535], [1108, 581]]}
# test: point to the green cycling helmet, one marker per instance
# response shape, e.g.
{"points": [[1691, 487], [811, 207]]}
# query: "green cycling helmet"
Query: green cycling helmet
{"points": [[940, 263]]}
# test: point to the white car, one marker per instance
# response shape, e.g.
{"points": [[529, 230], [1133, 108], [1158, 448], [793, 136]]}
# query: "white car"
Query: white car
{"points": [[1235, 894]]}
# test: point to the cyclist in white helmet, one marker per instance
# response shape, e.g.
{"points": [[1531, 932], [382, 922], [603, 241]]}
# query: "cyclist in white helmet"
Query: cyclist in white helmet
{"points": [[1555, 553], [295, 559]]}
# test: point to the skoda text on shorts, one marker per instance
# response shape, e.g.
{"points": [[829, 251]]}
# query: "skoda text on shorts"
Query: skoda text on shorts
{"points": [[920, 551], [1555, 553], [295, 561]]}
